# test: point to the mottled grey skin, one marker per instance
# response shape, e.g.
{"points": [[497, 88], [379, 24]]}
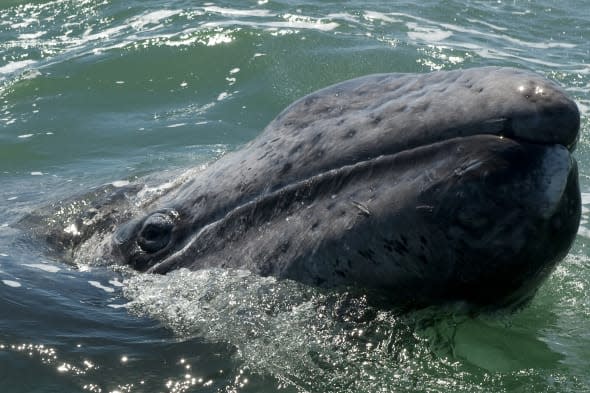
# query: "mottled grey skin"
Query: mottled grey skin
{"points": [[426, 188]]}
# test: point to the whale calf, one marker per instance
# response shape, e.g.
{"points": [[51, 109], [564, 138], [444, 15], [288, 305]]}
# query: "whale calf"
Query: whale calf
{"points": [[425, 188]]}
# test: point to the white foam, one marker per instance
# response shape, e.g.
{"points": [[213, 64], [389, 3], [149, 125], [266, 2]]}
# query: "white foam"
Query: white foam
{"points": [[428, 34], [153, 17], [72, 229], [31, 36], [374, 15], [98, 285], [116, 283], [25, 23], [117, 306], [15, 66], [481, 22], [120, 183], [432, 31], [45, 267], [294, 24], [271, 322], [584, 231], [12, 284], [217, 39], [237, 12]]}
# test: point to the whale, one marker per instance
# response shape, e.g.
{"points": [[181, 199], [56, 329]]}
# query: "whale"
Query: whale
{"points": [[430, 188]]}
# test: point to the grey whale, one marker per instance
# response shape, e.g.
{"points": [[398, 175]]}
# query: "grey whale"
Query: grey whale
{"points": [[427, 188]]}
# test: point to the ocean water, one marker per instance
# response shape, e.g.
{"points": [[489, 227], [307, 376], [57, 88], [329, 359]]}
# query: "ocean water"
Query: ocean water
{"points": [[100, 91]]}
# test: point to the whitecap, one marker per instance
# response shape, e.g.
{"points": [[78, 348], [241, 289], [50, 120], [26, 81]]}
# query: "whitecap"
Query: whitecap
{"points": [[236, 12], [11, 283], [117, 306], [72, 229], [223, 96], [218, 39], [31, 36], [317, 24], [15, 66], [45, 267], [428, 34], [25, 23], [374, 15], [120, 183], [153, 17], [116, 283], [98, 285]]}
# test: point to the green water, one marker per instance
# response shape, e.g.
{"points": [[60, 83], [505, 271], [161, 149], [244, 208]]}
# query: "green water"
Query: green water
{"points": [[97, 91]]}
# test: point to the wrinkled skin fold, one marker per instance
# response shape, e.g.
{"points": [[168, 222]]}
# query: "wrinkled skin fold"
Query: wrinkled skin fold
{"points": [[426, 188]]}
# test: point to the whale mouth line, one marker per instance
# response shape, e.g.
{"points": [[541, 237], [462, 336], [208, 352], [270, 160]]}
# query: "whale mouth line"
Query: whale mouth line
{"points": [[507, 127], [506, 134]]}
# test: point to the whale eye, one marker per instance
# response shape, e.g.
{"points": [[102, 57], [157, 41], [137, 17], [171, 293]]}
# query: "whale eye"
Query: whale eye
{"points": [[155, 233]]}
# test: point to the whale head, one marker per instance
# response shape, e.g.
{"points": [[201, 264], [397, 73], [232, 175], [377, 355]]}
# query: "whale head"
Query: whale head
{"points": [[424, 188]]}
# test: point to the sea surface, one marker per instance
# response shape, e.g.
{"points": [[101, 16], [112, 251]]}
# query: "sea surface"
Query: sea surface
{"points": [[107, 91]]}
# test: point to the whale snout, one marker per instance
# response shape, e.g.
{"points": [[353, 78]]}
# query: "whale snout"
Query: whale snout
{"points": [[514, 218], [540, 111]]}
